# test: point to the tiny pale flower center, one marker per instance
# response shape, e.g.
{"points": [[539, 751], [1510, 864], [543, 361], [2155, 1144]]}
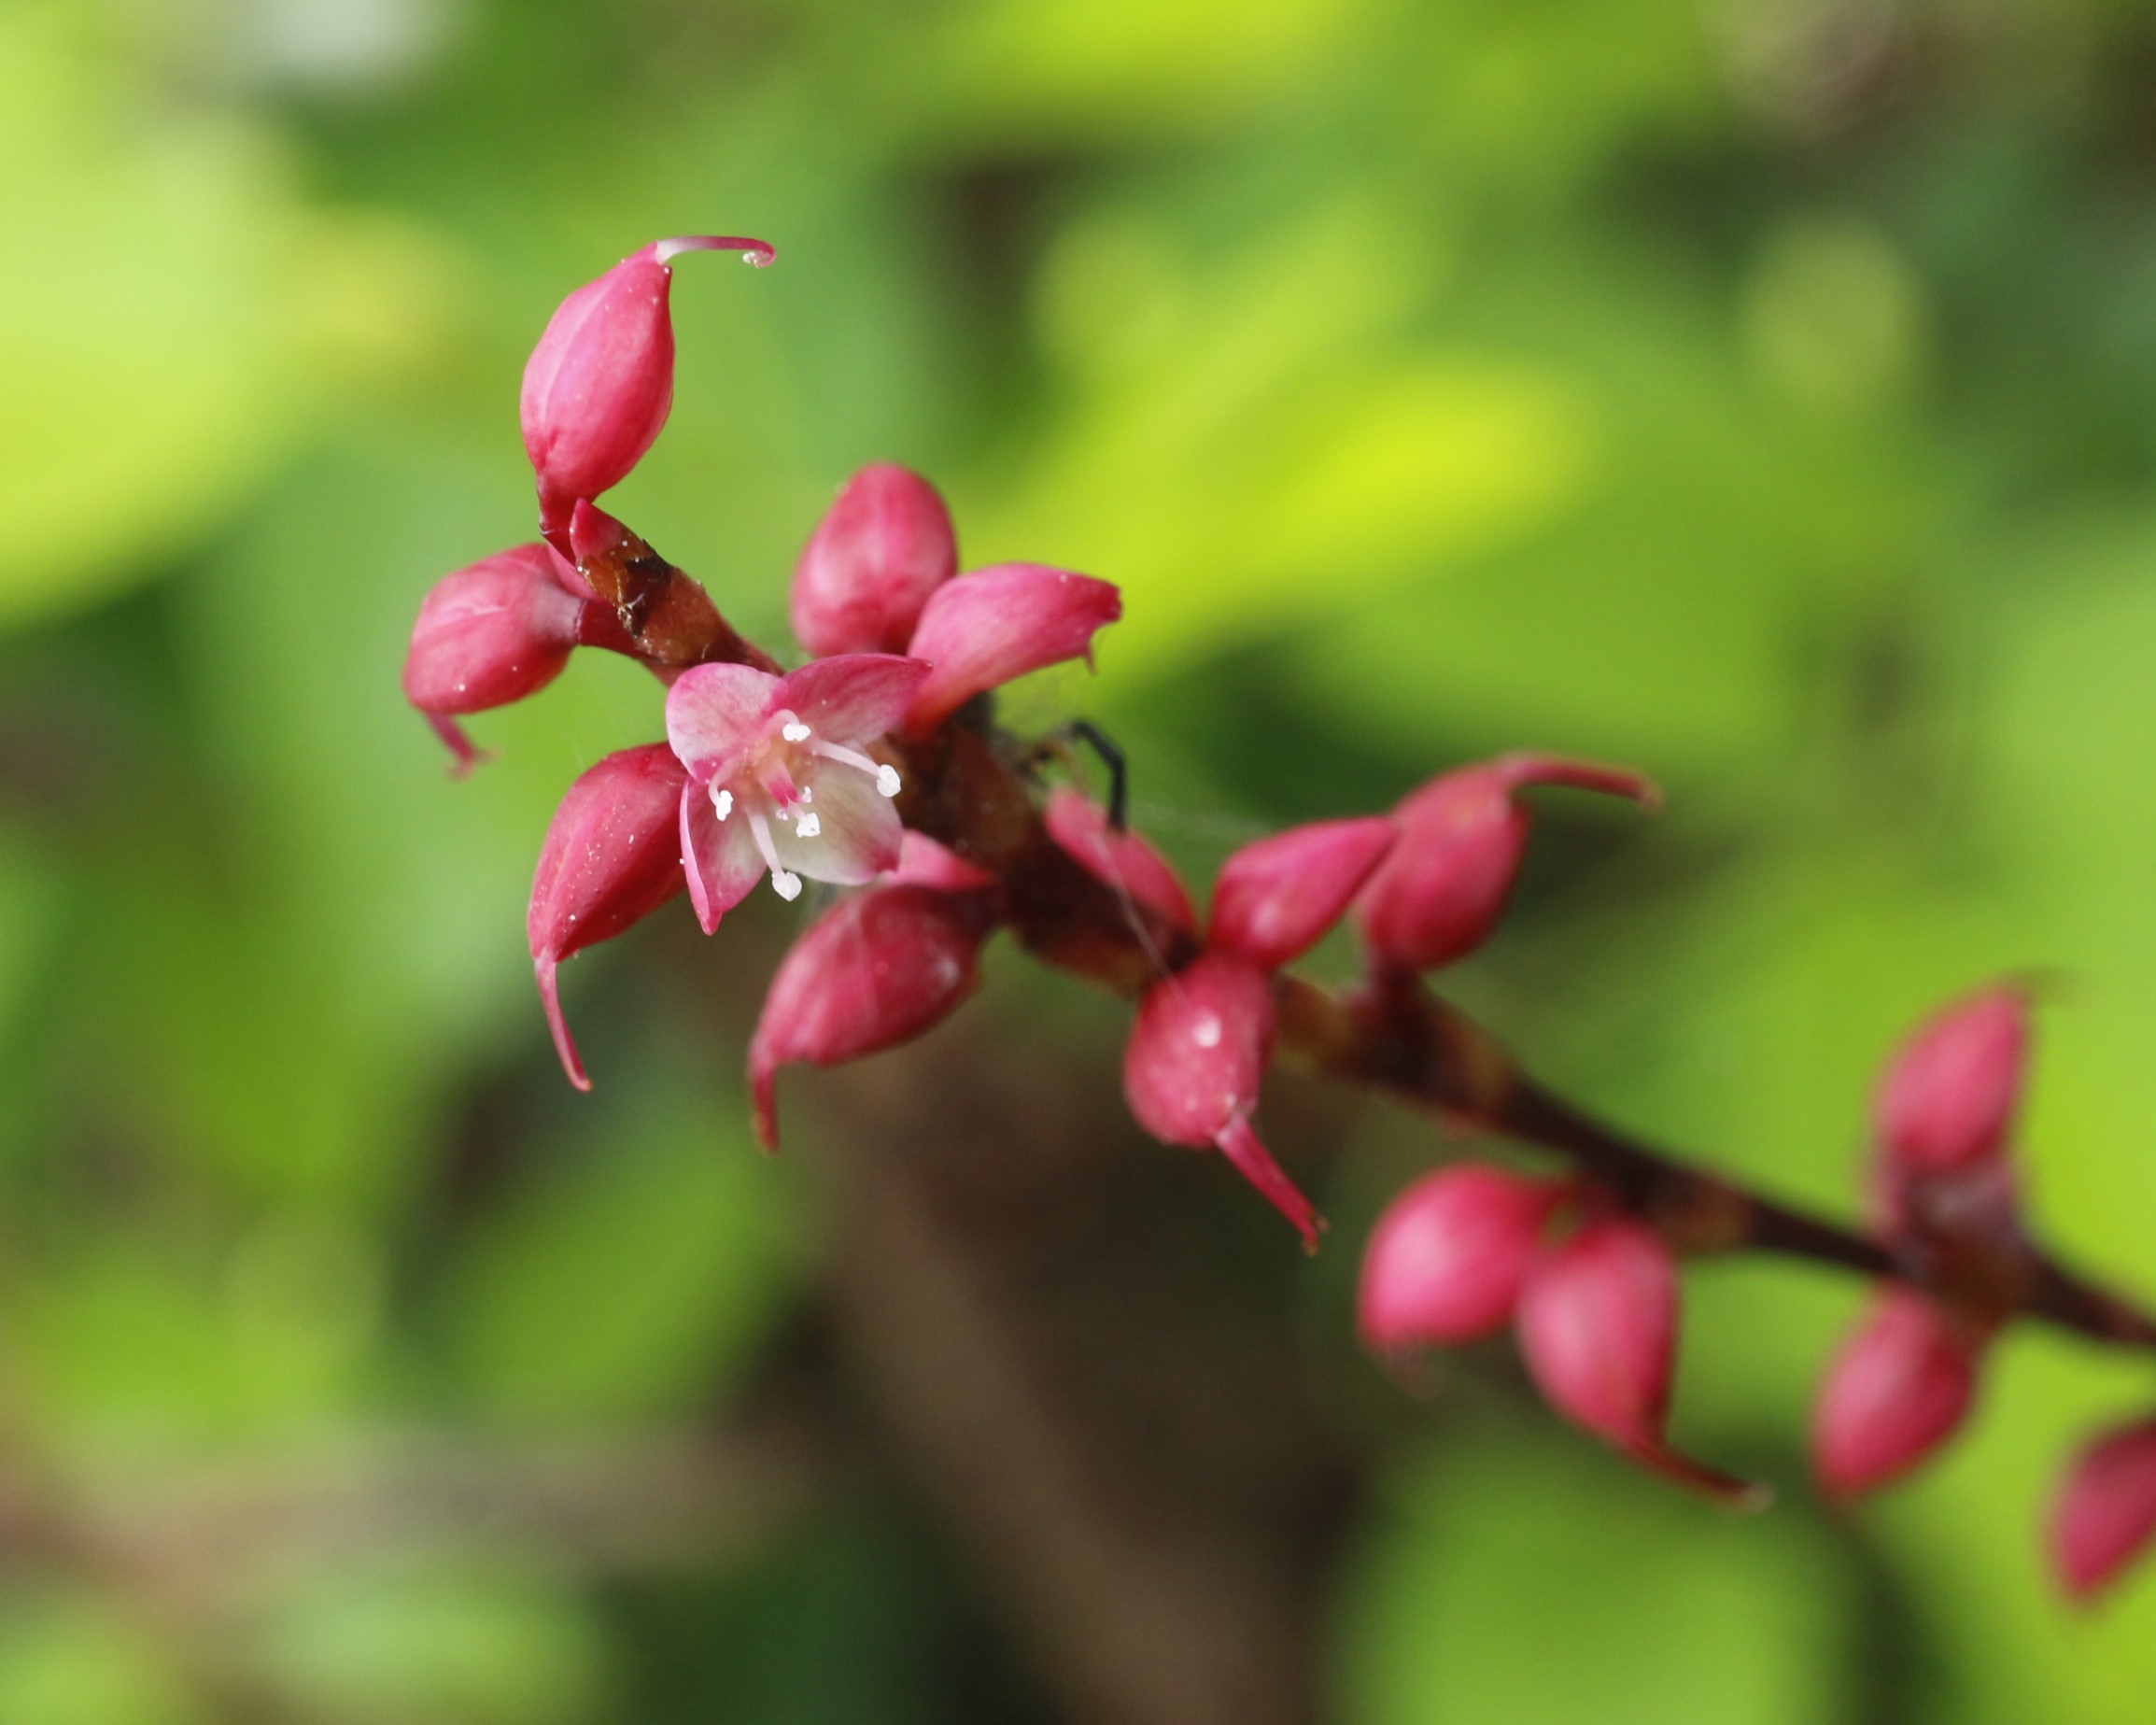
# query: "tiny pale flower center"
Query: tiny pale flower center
{"points": [[775, 783]]}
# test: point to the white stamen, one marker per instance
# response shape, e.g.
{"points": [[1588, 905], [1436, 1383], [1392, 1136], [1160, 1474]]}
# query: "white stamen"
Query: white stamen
{"points": [[787, 885], [760, 830], [1206, 1033], [722, 800], [839, 752], [887, 780], [794, 731], [808, 827], [808, 793]]}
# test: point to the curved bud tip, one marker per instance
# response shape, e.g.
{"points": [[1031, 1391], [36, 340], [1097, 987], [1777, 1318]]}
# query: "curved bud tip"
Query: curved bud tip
{"points": [[761, 254], [1899, 1389], [1446, 1260], [1240, 1143], [1522, 771], [1950, 1097], [2105, 1514], [548, 974]]}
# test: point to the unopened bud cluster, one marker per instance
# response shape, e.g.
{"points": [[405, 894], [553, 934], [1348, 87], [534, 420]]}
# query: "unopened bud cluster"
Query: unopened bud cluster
{"points": [[875, 766]]}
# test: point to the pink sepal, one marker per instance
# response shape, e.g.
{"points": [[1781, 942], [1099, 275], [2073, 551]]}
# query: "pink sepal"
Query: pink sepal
{"points": [[611, 856], [1597, 1327], [879, 969], [491, 634], [598, 386], [1441, 888], [1950, 1096], [1275, 900], [984, 629], [923, 862], [1121, 860], [2105, 1514], [1899, 1388], [1446, 1260], [1238, 1142], [879, 551]]}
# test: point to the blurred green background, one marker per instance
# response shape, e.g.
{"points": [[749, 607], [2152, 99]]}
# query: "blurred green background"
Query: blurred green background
{"points": [[1759, 391]]}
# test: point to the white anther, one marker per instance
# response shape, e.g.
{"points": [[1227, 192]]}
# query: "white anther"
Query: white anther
{"points": [[722, 800], [794, 731], [887, 780], [808, 793], [1206, 1033], [787, 885], [808, 827]]}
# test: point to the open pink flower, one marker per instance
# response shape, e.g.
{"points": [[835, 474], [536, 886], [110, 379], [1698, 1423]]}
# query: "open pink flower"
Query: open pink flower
{"points": [[780, 779], [600, 384]]}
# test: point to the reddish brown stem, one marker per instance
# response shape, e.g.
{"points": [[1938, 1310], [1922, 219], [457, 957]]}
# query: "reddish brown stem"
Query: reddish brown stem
{"points": [[971, 788]]}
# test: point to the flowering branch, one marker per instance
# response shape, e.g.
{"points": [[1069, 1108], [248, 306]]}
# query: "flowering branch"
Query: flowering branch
{"points": [[877, 765]]}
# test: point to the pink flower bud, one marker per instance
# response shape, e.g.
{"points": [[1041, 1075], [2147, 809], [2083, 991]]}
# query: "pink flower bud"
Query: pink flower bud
{"points": [[490, 634], [1598, 1325], [1899, 1388], [984, 629], [2105, 1514], [612, 857], [878, 969], [1440, 892], [1275, 900], [1445, 1261], [598, 386], [1193, 1065], [1950, 1096], [1120, 860], [878, 553]]}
